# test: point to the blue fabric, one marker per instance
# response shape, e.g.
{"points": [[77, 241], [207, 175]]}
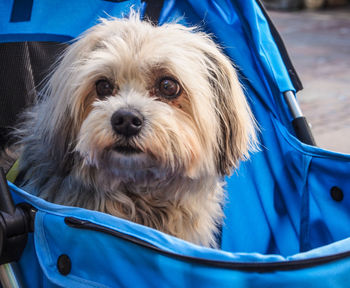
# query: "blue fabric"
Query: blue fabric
{"points": [[57, 20], [101, 260], [279, 207], [283, 194]]}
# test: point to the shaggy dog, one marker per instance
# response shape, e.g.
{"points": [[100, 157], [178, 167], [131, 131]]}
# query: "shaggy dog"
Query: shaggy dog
{"points": [[140, 122]]}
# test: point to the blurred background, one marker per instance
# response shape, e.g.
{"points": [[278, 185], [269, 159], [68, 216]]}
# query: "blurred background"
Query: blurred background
{"points": [[317, 36]]}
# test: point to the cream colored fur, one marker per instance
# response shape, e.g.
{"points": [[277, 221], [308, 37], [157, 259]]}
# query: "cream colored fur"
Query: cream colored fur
{"points": [[188, 144]]}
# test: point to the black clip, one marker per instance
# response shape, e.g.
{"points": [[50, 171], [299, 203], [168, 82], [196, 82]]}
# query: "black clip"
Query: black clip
{"points": [[15, 224]]}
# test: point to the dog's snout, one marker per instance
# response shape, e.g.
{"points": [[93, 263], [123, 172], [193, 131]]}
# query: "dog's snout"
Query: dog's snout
{"points": [[127, 122]]}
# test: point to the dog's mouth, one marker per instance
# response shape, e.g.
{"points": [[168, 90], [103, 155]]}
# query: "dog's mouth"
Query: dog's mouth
{"points": [[126, 149]]}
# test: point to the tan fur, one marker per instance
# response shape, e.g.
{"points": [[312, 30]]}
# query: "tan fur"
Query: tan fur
{"points": [[187, 144]]}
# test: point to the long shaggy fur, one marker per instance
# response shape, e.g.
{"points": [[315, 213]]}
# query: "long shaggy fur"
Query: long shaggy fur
{"points": [[188, 143]]}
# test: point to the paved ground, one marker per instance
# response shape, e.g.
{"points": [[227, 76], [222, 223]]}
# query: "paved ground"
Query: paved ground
{"points": [[319, 45]]}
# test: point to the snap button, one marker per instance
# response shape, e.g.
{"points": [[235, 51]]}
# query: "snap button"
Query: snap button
{"points": [[337, 194], [64, 264]]}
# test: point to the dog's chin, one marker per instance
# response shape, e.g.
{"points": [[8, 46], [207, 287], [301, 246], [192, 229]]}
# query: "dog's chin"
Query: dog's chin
{"points": [[126, 150], [126, 157], [128, 164]]}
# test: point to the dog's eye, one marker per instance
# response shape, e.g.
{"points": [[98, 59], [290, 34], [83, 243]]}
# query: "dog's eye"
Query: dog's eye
{"points": [[169, 88], [104, 88]]}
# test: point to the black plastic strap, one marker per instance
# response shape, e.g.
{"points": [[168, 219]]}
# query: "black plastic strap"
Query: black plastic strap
{"points": [[21, 10], [153, 10], [303, 131]]}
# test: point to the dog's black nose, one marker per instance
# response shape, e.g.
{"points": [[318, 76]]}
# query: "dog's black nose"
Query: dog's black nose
{"points": [[127, 122]]}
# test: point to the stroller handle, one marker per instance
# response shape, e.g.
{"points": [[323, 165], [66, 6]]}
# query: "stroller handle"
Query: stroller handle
{"points": [[300, 124]]}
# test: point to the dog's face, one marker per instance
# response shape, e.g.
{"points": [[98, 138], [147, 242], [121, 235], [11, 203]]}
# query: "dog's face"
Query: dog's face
{"points": [[146, 102]]}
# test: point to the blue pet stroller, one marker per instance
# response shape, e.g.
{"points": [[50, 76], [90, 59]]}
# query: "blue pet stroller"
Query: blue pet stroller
{"points": [[288, 208]]}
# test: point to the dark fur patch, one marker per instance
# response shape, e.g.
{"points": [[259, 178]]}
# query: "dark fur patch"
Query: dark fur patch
{"points": [[226, 159]]}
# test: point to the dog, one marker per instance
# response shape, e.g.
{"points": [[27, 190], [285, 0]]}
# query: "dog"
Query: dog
{"points": [[142, 122]]}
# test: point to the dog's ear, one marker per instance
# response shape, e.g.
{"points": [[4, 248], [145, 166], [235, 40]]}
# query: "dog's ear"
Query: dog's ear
{"points": [[237, 125]]}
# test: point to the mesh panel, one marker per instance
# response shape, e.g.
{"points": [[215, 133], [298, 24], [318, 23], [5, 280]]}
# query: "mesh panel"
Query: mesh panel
{"points": [[23, 66]]}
